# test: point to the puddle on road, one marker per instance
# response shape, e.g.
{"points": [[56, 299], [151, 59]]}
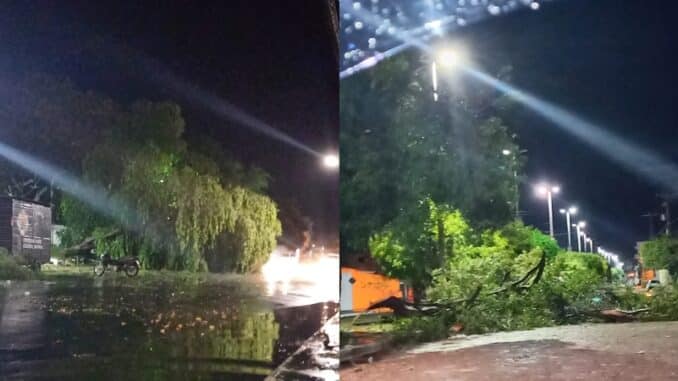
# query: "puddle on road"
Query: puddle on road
{"points": [[81, 328]]}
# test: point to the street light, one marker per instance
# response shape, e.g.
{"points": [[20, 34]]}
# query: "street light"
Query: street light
{"points": [[452, 56], [580, 233], [584, 241], [569, 212], [331, 161], [590, 242], [547, 190]]}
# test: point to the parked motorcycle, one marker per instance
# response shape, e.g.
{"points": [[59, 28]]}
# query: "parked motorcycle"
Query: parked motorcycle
{"points": [[130, 265]]}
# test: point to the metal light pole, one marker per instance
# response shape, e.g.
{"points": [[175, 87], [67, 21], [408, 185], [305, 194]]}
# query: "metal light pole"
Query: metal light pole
{"points": [[568, 213], [580, 233], [545, 190]]}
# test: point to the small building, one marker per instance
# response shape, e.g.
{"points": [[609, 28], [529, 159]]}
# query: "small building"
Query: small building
{"points": [[362, 286]]}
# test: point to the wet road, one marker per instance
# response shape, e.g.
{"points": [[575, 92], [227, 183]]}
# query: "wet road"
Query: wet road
{"points": [[158, 326], [634, 351]]}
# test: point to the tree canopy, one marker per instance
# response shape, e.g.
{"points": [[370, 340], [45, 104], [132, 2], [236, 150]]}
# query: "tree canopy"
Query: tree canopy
{"points": [[179, 206], [398, 146], [660, 253]]}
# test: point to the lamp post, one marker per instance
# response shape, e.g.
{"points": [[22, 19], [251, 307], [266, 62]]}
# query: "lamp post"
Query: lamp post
{"points": [[445, 61], [547, 190], [568, 213], [580, 233]]}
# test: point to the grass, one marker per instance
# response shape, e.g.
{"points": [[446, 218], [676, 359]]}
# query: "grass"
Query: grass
{"points": [[10, 269]]}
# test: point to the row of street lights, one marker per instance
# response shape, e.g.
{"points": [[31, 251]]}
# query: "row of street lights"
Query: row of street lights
{"points": [[547, 191], [452, 57]]}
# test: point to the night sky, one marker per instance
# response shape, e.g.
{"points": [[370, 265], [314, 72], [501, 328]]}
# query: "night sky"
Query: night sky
{"points": [[612, 62], [272, 60]]}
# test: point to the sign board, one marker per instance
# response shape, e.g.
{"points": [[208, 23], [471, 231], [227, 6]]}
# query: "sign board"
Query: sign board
{"points": [[31, 231]]}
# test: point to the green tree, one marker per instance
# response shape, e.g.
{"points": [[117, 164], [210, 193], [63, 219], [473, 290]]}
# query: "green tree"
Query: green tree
{"points": [[398, 146], [182, 209], [415, 244], [493, 259], [660, 253], [524, 238]]}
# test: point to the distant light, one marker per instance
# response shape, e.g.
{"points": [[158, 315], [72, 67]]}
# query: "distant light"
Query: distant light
{"points": [[582, 224], [573, 210], [452, 57], [506, 152], [331, 161], [562, 211], [534, 5], [541, 190]]}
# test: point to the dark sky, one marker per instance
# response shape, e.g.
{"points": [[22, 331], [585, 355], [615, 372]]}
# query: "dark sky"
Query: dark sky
{"points": [[273, 60], [612, 62]]}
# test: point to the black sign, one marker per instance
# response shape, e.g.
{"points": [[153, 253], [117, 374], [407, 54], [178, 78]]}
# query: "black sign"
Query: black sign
{"points": [[31, 231]]}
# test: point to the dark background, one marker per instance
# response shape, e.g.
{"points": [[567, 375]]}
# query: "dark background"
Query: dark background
{"points": [[612, 62], [274, 60]]}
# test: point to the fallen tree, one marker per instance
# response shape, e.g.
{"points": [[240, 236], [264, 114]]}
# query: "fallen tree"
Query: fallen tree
{"points": [[88, 244], [402, 307]]}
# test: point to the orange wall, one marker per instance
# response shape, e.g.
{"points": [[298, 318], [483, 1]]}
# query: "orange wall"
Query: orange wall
{"points": [[647, 275], [370, 288]]}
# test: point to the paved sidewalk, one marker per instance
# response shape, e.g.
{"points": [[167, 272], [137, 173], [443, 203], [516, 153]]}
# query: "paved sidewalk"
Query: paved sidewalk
{"points": [[635, 351]]}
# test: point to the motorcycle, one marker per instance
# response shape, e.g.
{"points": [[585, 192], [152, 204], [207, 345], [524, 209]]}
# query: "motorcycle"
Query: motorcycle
{"points": [[130, 265]]}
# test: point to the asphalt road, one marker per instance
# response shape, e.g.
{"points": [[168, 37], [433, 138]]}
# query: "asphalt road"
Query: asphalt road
{"points": [[633, 351], [80, 327]]}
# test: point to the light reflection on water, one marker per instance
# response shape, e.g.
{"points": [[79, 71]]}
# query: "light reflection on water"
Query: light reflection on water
{"points": [[113, 328]]}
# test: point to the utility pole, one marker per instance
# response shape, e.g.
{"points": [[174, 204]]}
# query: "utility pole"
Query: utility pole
{"points": [[650, 219], [666, 210]]}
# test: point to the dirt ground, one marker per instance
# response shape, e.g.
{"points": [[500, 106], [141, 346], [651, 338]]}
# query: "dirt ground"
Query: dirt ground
{"points": [[635, 351]]}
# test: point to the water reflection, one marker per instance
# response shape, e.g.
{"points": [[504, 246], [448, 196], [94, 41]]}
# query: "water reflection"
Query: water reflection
{"points": [[152, 329]]}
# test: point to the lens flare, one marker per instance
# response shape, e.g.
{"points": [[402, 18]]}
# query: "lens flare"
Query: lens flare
{"points": [[95, 197], [632, 157]]}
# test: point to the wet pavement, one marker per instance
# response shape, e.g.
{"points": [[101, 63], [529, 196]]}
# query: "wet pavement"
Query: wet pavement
{"points": [[633, 351], [316, 359], [159, 326]]}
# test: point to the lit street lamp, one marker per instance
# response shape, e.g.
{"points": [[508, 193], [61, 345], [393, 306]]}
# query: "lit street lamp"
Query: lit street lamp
{"points": [[547, 190], [450, 57], [569, 212], [590, 242], [331, 161]]}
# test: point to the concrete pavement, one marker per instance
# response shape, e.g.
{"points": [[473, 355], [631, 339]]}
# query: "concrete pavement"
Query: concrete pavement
{"points": [[633, 351]]}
